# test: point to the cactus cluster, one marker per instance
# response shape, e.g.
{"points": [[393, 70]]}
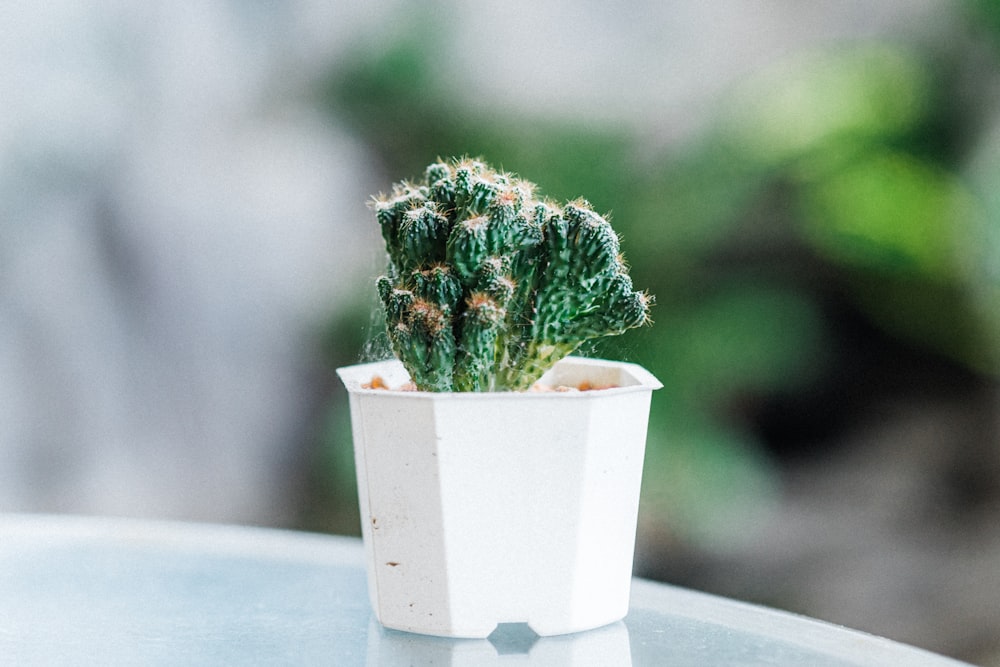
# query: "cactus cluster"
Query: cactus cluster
{"points": [[488, 286]]}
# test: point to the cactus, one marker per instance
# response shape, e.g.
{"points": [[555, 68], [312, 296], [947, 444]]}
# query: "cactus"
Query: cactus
{"points": [[487, 286]]}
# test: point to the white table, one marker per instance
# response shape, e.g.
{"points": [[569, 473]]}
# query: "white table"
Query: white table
{"points": [[77, 590]]}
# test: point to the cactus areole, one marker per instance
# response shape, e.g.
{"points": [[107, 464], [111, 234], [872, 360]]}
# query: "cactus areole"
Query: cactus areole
{"points": [[488, 286]]}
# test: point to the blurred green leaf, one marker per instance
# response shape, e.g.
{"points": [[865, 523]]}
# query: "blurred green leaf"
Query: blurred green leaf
{"points": [[982, 251], [985, 13], [890, 213], [679, 210], [705, 484], [906, 232], [936, 316], [743, 337], [806, 103]]}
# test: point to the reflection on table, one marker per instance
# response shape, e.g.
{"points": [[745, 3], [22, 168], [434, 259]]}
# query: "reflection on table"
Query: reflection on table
{"points": [[107, 591]]}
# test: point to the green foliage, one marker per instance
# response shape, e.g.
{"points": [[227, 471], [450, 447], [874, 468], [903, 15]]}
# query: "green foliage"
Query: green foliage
{"points": [[488, 286], [747, 337], [827, 183], [826, 102], [984, 14], [891, 212]]}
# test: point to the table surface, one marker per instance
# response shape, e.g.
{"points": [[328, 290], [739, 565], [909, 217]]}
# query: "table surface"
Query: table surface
{"points": [[79, 590]]}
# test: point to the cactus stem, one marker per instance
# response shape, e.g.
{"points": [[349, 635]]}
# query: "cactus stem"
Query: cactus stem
{"points": [[488, 285]]}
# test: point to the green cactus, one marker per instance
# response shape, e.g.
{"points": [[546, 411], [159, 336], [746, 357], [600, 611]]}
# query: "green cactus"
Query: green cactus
{"points": [[487, 286]]}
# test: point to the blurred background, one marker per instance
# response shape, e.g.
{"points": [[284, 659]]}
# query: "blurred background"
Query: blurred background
{"points": [[812, 192]]}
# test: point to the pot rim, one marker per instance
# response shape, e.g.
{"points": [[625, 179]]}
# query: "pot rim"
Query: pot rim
{"points": [[641, 380]]}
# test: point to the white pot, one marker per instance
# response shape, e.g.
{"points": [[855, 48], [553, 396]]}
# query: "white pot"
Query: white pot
{"points": [[486, 508]]}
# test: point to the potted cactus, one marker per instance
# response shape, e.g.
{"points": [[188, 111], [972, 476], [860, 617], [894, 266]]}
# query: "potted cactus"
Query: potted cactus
{"points": [[485, 500]]}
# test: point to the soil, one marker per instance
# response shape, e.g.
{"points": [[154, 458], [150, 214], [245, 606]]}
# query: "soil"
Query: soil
{"points": [[377, 382]]}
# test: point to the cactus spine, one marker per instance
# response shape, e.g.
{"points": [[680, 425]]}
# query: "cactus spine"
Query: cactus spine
{"points": [[487, 287]]}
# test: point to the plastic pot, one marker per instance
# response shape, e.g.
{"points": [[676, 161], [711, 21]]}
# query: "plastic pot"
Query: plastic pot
{"points": [[485, 508]]}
